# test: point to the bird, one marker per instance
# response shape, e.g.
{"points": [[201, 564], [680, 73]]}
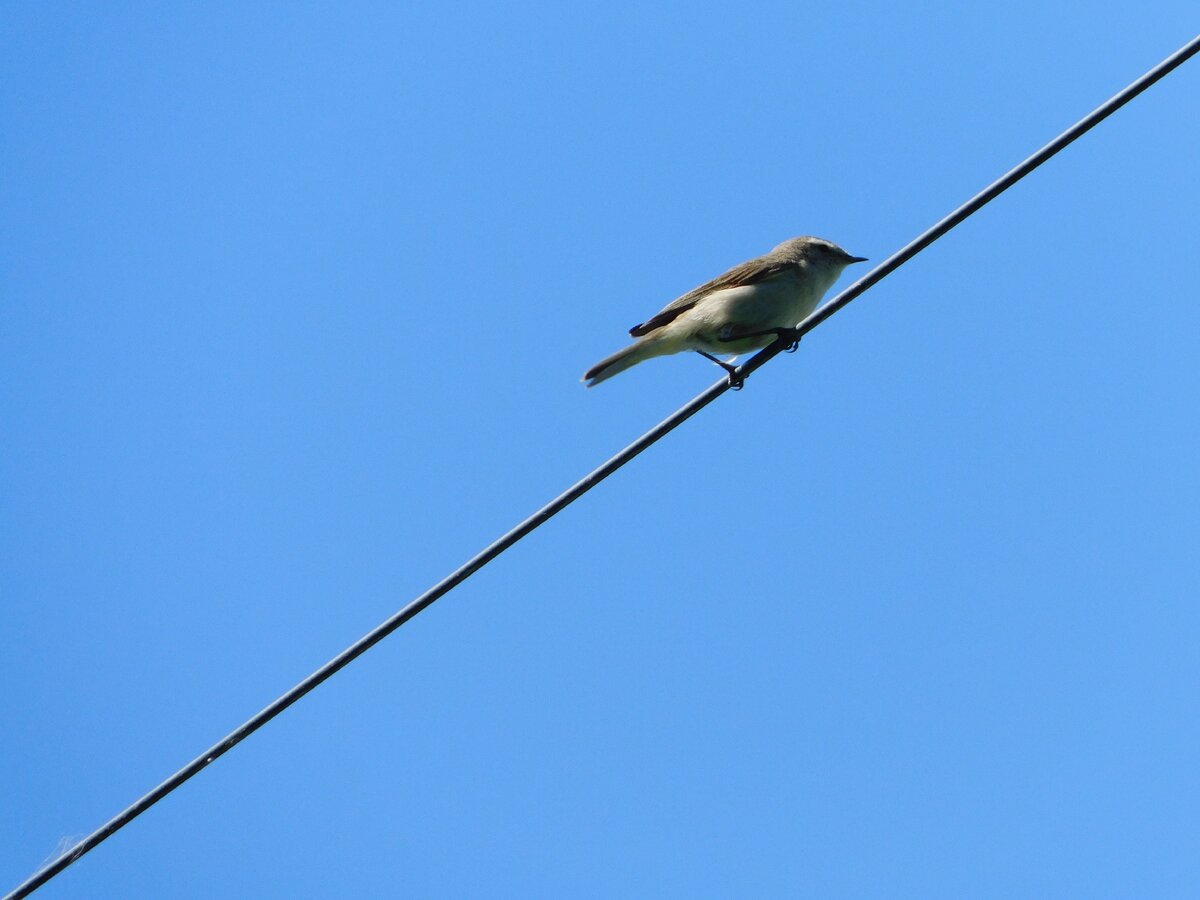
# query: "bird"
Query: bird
{"points": [[747, 308]]}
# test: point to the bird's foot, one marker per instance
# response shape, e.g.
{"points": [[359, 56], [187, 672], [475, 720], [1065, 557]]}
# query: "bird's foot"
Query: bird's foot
{"points": [[736, 382]]}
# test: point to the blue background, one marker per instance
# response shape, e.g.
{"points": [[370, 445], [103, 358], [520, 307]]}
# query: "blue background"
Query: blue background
{"points": [[295, 303]]}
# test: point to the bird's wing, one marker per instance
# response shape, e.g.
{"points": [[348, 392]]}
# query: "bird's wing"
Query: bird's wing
{"points": [[751, 272]]}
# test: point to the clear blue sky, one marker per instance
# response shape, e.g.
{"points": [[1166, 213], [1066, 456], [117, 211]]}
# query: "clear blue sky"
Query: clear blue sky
{"points": [[295, 302]]}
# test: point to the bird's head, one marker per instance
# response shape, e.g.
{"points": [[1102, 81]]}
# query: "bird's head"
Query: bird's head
{"points": [[818, 253]]}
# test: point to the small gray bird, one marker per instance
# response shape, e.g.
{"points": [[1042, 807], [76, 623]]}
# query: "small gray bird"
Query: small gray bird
{"points": [[745, 309]]}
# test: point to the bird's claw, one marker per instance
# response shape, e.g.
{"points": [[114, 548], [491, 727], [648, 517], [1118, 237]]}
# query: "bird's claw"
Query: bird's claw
{"points": [[736, 381], [791, 336]]}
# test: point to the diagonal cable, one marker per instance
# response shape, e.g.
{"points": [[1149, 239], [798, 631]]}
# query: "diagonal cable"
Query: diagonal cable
{"points": [[589, 481]]}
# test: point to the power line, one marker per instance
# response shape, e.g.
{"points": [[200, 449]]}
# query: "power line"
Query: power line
{"points": [[593, 478]]}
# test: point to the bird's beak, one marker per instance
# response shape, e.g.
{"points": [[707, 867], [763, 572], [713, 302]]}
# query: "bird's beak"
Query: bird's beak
{"points": [[855, 259]]}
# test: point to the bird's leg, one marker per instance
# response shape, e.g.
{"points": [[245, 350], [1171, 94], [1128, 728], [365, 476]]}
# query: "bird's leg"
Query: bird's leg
{"points": [[735, 382], [790, 335]]}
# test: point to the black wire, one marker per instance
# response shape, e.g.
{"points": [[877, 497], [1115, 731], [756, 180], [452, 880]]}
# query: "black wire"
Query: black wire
{"points": [[581, 487]]}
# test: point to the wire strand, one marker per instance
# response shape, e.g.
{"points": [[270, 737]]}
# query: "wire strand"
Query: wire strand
{"points": [[597, 475]]}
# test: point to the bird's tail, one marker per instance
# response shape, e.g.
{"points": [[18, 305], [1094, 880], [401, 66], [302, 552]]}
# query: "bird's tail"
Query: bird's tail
{"points": [[622, 360]]}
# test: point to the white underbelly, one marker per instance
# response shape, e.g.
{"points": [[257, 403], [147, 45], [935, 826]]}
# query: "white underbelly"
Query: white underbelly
{"points": [[756, 307]]}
